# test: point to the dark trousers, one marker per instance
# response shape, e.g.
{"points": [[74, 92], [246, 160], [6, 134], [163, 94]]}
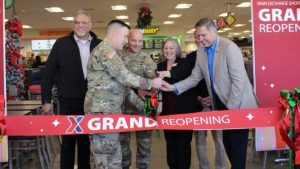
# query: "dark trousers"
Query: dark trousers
{"points": [[178, 148], [67, 158], [235, 142]]}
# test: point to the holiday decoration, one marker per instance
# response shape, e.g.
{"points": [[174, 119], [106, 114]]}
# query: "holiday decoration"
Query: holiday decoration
{"points": [[144, 18], [289, 124], [225, 21], [229, 19], [151, 105], [221, 22], [14, 63]]}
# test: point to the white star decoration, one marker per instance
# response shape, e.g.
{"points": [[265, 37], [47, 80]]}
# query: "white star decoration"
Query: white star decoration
{"points": [[271, 111], [263, 68], [250, 116], [265, 84], [272, 85], [56, 123], [42, 130]]}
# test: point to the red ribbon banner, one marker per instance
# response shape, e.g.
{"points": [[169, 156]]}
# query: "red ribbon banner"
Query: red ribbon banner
{"points": [[89, 124]]}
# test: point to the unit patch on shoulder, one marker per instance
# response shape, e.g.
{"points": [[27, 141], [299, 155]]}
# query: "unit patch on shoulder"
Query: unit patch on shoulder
{"points": [[111, 55]]}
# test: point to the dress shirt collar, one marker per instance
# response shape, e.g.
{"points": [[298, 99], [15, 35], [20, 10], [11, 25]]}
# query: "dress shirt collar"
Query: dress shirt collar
{"points": [[213, 46], [83, 41]]}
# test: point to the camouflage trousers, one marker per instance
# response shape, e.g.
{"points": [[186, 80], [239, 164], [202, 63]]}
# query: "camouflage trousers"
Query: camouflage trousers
{"points": [[143, 155], [106, 151]]}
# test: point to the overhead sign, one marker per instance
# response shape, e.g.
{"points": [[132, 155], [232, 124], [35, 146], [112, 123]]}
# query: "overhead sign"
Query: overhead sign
{"points": [[150, 30], [54, 33], [276, 27]]}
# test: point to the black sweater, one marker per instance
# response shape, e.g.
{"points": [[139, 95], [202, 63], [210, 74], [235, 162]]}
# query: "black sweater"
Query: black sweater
{"points": [[186, 102], [64, 62]]}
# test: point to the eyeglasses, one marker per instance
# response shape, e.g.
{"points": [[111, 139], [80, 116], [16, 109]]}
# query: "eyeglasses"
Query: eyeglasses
{"points": [[83, 23]]}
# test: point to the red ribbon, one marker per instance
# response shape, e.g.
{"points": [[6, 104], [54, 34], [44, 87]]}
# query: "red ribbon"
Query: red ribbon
{"points": [[2, 119], [284, 127], [2, 125], [297, 134], [153, 100], [1, 102], [89, 124], [144, 10]]}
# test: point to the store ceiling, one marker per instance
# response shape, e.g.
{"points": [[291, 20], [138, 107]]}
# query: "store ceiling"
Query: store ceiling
{"points": [[32, 12]]}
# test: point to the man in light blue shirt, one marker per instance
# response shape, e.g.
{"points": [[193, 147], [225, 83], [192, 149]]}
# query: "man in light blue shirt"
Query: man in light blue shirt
{"points": [[228, 85]]}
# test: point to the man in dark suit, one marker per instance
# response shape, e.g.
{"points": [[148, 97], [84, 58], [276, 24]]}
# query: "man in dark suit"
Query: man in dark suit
{"points": [[220, 63], [68, 59]]}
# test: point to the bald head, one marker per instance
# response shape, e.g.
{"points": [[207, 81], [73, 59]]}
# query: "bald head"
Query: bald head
{"points": [[135, 41], [133, 33]]}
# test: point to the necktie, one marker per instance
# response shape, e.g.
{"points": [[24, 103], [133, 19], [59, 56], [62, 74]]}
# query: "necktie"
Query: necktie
{"points": [[210, 55]]}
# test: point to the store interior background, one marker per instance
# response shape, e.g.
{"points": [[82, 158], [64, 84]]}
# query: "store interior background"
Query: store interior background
{"points": [[34, 14]]}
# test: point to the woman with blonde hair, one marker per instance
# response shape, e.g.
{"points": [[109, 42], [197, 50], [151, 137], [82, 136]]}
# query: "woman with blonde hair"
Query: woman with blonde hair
{"points": [[175, 69]]}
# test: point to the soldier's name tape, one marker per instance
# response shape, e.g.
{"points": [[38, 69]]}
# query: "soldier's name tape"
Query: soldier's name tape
{"points": [[89, 124]]}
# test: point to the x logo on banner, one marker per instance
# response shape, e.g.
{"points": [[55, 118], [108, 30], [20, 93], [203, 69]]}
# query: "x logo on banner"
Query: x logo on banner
{"points": [[75, 124]]}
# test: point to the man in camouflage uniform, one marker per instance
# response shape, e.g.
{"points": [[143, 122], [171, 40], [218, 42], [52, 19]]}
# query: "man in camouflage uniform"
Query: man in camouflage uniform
{"points": [[107, 81], [138, 62]]}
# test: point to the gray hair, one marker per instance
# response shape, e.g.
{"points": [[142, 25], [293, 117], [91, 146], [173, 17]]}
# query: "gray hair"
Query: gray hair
{"points": [[176, 44], [84, 12], [208, 23]]}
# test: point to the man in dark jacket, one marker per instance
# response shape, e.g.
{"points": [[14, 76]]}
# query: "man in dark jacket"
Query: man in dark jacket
{"points": [[68, 59]]}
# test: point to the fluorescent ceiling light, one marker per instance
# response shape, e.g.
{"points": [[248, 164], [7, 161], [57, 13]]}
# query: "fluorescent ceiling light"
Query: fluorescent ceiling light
{"points": [[183, 6], [244, 5], [122, 17], [68, 18], [191, 31], [246, 31], [250, 20], [127, 23], [250, 35], [26, 26], [221, 31], [119, 7], [168, 22], [227, 29], [239, 25], [236, 33], [225, 14], [174, 16], [54, 9], [242, 37]]}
